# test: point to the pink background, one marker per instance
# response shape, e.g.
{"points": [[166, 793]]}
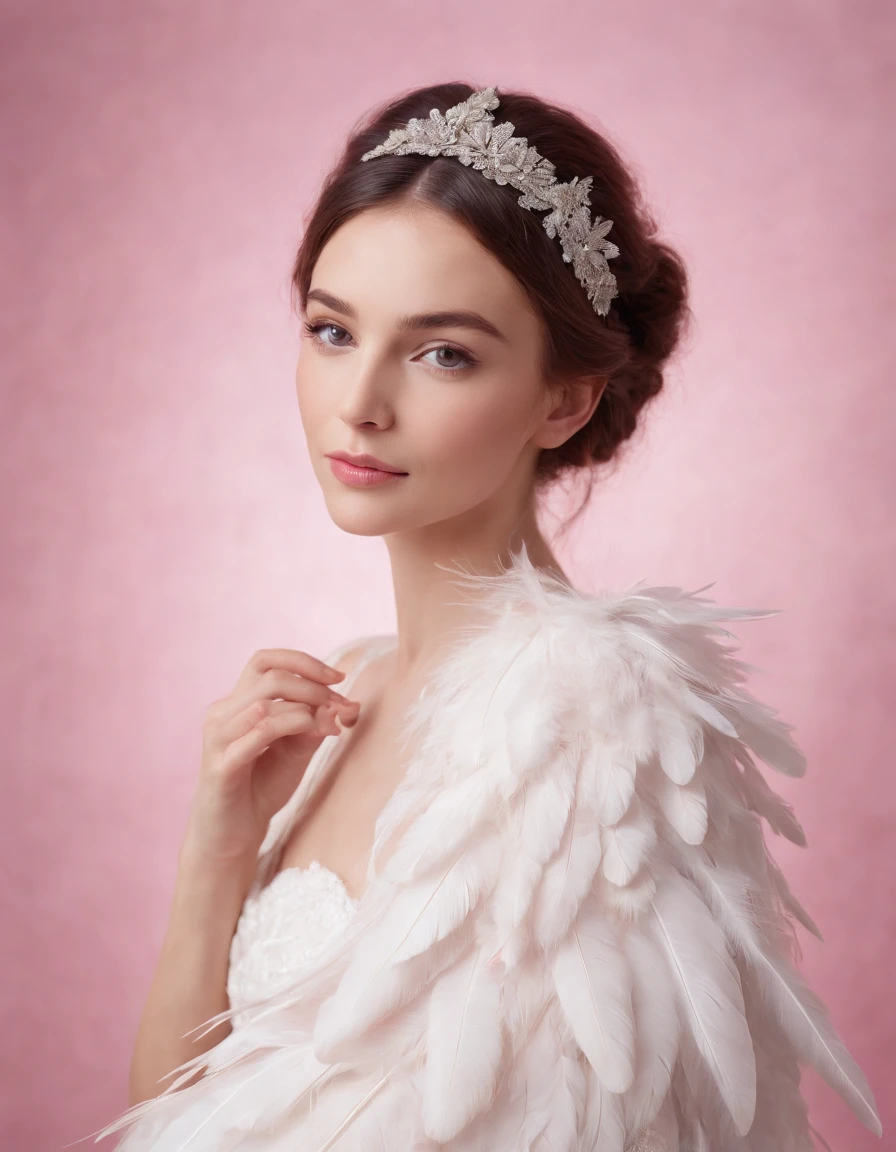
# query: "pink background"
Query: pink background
{"points": [[161, 520]]}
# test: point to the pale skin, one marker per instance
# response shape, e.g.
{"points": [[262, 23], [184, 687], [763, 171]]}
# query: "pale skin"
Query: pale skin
{"points": [[464, 412]]}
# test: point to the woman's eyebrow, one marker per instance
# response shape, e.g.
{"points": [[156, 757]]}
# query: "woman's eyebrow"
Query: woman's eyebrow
{"points": [[453, 319]]}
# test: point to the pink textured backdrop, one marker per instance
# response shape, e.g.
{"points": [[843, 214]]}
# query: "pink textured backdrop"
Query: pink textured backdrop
{"points": [[161, 521]]}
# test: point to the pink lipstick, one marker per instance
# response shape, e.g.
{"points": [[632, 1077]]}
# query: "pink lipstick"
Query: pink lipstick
{"points": [[362, 471]]}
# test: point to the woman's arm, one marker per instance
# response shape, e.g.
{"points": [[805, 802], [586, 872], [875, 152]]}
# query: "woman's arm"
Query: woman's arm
{"points": [[190, 982]]}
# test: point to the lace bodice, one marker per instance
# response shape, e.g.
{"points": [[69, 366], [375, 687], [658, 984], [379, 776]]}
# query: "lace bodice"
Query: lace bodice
{"points": [[282, 927]]}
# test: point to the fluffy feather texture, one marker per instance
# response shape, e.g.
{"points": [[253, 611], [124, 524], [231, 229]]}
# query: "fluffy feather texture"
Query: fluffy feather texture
{"points": [[581, 941]]}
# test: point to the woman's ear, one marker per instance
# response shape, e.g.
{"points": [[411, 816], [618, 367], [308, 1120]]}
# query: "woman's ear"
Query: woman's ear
{"points": [[569, 406]]}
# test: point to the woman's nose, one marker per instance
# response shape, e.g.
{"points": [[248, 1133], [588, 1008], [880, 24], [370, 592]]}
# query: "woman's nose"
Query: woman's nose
{"points": [[367, 397]]}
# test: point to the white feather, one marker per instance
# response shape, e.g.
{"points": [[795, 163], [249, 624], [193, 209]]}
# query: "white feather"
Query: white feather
{"points": [[593, 983], [567, 878], [680, 742], [790, 902], [435, 907], [499, 1126], [560, 1133], [436, 836], [391, 1120], [684, 806], [371, 989], [555, 1106], [805, 1019], [769, 737], [656, 1030], [627, 901], [608, 777], [604, 1125], [463, 1047], [708, 712], [774, 808], [627, 843], [541, 817], [709, 993]]}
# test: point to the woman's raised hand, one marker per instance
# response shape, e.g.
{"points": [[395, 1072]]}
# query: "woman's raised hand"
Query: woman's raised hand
{"points": [[256, 744]]}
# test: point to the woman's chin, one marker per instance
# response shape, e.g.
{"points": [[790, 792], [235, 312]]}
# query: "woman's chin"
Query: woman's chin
{"points": [[363, 521]]}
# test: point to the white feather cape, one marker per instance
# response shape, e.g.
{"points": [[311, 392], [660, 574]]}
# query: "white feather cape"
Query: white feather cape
{"points": [[581, 942]]}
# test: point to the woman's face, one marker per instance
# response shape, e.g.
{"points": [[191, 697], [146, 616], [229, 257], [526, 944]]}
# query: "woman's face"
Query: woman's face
{"points": [[457, 404]]}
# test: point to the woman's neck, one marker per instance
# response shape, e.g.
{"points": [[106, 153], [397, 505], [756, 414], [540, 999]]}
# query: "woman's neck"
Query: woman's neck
{"points": [[430, 603]]}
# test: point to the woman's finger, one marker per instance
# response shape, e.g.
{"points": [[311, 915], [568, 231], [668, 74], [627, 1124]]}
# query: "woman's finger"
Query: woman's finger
{"points": [[235, 726], [276, 683], [291, 722], [289, 660]]}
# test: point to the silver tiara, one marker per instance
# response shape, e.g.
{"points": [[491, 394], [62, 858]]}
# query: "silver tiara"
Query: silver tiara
{"points": [[468, 131]]}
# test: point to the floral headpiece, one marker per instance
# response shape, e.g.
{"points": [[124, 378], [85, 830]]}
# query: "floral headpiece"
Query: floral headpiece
{"points": [[469, 132]]}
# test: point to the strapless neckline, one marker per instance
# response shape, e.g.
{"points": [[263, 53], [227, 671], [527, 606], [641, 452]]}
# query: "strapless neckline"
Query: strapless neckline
{"points": [[315, 866]]}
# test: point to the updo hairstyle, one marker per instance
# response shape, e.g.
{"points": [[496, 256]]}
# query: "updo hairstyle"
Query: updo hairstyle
{"points": [[629, 347]]}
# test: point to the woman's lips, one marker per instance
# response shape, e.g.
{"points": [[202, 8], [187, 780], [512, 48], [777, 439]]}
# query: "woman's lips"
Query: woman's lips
{"points": [[361, 477]]}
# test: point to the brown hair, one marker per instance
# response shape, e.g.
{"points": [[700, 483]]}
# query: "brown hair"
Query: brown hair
{"points": [[647, 318]]}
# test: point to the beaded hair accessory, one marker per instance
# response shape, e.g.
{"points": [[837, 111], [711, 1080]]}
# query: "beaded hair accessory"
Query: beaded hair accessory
{"points": [[468, 131]]}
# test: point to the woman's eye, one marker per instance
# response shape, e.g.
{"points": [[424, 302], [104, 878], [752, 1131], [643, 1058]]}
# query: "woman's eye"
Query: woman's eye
{"points": [[457, 361], [313, 330]]}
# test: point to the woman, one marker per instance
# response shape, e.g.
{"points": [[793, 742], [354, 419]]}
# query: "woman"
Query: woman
{"points": [[508, 887]]}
